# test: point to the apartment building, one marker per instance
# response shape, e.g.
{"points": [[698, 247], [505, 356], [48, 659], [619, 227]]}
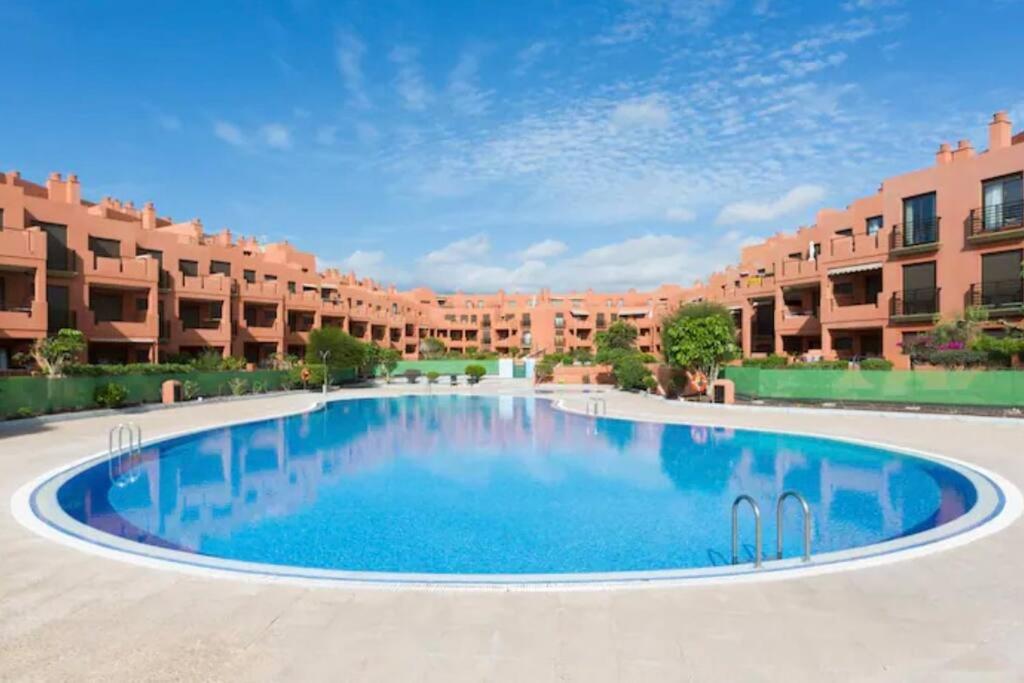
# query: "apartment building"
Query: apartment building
{"points": [[864, 279], [144, 287]]}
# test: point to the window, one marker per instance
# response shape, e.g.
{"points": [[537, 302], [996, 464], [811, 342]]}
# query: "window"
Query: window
{"points": [[105, 247], [796, 256], [58, 256], [920, 224], [269, 278], [874, 224], [559, 320], [814, 251], [843, 289], [186, 267], [845, 232], [291, 287], [141, 304], [220, 268], [1001, 283], [919, 293], [1003, 202], [1, 219], [249, 275]]}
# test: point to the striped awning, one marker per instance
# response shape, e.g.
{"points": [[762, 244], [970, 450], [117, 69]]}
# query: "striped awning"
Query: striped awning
{"points": [[860, 268]]}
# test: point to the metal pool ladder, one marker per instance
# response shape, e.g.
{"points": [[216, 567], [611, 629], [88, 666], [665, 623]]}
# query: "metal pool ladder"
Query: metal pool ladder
{"points": [[744, 498], [805, 508], [122, 458], [596, 403]]}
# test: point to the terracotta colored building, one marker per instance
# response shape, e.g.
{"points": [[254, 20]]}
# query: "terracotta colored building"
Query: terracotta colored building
{"points": [[856, 283], [143, 287], [863, 279]]}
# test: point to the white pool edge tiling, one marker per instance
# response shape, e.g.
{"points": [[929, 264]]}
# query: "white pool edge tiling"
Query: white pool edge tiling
{"points": [[999, 503]]}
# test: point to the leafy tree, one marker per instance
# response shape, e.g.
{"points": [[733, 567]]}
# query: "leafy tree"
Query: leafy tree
{"points": [[346, 351], [432, 348], [619, 335], [701, 337], [371, 359], [388, 359], [631, 373], [53, 354]]}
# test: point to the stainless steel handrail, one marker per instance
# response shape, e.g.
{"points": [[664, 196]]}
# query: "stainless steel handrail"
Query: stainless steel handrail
{"points": [[736, 529], [116, 459], [779, 504]]}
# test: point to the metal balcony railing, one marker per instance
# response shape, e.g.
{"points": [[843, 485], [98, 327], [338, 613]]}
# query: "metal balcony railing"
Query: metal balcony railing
{"points": [[997, 294], [995, 218], [915, 302], [917, 233], [62, 259]]}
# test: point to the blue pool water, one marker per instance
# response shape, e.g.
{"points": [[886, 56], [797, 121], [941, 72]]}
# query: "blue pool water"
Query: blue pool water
{"points": [[487, 485]]}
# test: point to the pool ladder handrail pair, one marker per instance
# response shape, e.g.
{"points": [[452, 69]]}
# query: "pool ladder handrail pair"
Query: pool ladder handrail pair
{"points": [[779, 507], [116, 460], [597, 402]]}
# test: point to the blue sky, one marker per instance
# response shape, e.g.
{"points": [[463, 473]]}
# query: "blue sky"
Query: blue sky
{"points": [[479, 145]]}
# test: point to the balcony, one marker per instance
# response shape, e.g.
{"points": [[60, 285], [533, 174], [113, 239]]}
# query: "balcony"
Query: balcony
{"points": [[799, 321], [203, 286], [116, 269], [266, 291], [862, 245], [202, 332], [996, 223], [62, 261], [918, 237], [861, 310], [795, 269], [22, 247], [133, 329], [60, 319], [23, 319], [999, 298], [914, 305]]}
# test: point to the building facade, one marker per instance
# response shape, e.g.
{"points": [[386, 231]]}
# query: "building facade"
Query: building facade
{"points": [[143, 287], [862, 280], [857, 283]]}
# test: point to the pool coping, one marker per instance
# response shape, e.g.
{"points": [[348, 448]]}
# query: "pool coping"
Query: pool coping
{"points": [[999, 504]]}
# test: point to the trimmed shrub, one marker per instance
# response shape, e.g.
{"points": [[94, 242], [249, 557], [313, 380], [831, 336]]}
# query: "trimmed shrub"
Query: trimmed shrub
{"points": [[412, 374], [110, 395], [83, 370], [876, 364], [475, 373], [238, 386], [631, 373], [432, 376], [189, 390], [822, 365], [772, 362]]}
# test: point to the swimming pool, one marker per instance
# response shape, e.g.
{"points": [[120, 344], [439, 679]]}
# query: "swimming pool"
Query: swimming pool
{"points": [[466, 489]]}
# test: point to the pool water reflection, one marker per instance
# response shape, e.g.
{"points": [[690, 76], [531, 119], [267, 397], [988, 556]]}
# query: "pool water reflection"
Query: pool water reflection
{"points": [[486, 485]]}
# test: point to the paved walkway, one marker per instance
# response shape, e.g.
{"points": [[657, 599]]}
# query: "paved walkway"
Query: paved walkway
{"points": [[953, 615]]}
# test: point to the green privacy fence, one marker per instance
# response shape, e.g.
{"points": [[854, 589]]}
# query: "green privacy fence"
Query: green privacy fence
{"points": [[997, 388], [22, 396], [447, 366]]}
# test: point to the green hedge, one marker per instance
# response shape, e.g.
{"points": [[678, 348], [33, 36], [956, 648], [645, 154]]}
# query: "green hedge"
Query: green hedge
{"points": [[995, 388], [443, 367], [23, 396]]}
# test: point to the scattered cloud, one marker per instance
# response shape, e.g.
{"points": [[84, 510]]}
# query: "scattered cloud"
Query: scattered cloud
{"points": [[459, 251], [349, 51], [229, 133], [799, 198], [276, 135], [542, 250], [409, 81], [679, 214], [643, 18], [326, 135], [463, 87], [530, 55], [168, 122], [646, 112]]}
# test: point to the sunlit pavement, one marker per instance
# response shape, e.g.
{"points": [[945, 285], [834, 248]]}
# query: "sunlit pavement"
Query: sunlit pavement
{"points": [[955, 614]]}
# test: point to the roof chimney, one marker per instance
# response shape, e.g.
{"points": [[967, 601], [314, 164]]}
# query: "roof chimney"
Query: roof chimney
{"points": [[1000, 131], [149, 216], [944, 155], [964, 150], [73, 190], [55, 187]]}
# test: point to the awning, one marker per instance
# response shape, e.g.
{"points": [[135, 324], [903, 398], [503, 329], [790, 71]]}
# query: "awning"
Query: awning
{"points": [[629, 312], [328, 285], [579, 314], [875, 265]]}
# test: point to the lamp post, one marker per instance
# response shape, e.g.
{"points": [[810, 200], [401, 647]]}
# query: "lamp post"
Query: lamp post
{"points": [[324, 355]]}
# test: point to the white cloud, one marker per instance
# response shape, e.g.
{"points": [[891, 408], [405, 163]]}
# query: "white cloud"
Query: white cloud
{"points": [[529, 56], [460, 251], [645, 17], [229, 133], [276, 135], [409, 82], [544, 249], [463, 87], [680, 214], [348, 52], [168, 122], [799, 198], [646, 112]]}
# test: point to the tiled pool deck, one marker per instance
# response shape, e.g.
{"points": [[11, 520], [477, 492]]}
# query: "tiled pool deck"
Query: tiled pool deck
{"points": [[951, 615]]}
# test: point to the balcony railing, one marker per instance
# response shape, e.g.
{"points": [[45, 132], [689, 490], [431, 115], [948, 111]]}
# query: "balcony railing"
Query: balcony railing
{"points": [[994, 221], [209, 324], [62, 259], [997, 294], [915, 303], [918, 235]]}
